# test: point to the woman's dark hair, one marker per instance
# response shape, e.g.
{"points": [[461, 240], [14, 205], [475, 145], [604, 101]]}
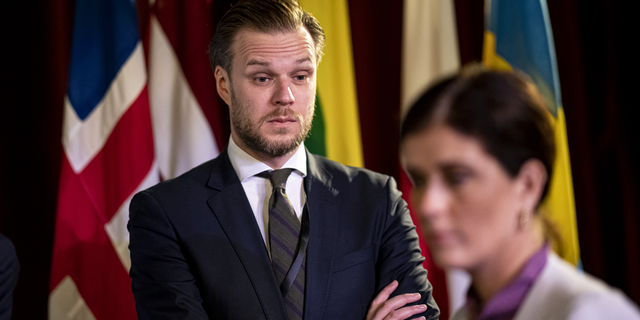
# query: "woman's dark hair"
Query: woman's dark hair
{"points": [[501, 109]]}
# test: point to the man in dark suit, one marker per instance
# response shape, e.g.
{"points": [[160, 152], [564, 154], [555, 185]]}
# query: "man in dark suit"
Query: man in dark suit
{"points": [[9, 271], [217, 243]]}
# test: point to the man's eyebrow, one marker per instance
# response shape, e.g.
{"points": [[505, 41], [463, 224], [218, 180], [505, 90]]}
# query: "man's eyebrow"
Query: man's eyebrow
{"points": [[256, 62], [266, 64], [304, 60]]}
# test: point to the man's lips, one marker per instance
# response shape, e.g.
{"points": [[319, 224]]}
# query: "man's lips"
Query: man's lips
{"points": [[281, 120]]}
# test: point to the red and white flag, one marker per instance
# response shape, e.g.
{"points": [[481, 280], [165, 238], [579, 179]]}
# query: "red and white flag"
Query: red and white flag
{"points": [[124, 130], [189, 120], [108, 155]]}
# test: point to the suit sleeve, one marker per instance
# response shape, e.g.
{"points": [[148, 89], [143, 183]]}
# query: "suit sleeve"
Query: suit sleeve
{"points": [[400, 257], [162, 284]]}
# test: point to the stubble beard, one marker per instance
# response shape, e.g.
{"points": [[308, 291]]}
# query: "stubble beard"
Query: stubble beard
{"points": [[249, 132]]}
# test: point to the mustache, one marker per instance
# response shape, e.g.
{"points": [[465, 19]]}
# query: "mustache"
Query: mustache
{"points": [[277, 113]]}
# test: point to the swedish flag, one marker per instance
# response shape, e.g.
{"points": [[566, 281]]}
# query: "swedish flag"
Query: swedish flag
{"points": [[518, 35]]}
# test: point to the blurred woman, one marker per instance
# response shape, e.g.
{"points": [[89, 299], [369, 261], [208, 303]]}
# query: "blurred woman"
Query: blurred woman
{"points": [[479, 150]]}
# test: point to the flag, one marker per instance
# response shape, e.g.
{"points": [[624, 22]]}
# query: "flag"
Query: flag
{"points": [[518, 35], [107, 156], [430, 52], [190, 123], [335, 131]]}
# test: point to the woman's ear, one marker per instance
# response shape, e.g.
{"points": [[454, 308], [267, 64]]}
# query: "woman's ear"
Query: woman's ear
{"points": [[223, 84], [532, 177]]}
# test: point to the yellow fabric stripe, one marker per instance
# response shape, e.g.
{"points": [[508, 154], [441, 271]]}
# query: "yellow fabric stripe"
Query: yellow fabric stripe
{"points": [[336, 82], [490, 59], [559, 206]]}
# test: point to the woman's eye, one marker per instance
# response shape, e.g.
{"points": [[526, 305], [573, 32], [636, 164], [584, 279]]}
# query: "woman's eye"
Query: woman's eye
{"points": [[419, 183], [457, 177], [417, 180]]}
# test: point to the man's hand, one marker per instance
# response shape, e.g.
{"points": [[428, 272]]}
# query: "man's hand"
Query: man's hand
{"points": [[383, 308]]}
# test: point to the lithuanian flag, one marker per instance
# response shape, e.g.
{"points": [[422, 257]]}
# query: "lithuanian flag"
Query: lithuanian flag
{"points": [[336, 125]]}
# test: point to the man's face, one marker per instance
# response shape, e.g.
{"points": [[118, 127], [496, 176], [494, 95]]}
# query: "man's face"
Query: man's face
{"points": [[272, 91]]}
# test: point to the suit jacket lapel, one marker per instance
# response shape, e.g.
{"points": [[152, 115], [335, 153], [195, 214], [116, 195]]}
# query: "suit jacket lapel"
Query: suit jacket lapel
{"points": [[231, 208], [323, 230]]}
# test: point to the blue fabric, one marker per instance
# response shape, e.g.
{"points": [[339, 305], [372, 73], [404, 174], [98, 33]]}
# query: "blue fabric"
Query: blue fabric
{"points": [[104, 36], [524, 39]]}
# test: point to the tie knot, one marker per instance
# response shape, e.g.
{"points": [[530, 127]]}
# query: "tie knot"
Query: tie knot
{"points": [[278, 177]]}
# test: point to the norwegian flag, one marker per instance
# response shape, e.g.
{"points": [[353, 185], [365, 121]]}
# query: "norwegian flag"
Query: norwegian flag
{"points": [[125, 129], [108, 156]]}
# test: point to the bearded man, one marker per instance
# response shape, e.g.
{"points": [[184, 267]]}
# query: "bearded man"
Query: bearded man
{"points": [[267, 230]]}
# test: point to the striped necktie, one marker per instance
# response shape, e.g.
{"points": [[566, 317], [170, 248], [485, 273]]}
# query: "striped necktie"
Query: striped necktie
{"points": [[284, 234]]}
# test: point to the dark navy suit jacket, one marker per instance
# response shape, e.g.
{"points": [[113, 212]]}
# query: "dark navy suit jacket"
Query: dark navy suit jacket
{"points": [[197, 252], [9, 271]]}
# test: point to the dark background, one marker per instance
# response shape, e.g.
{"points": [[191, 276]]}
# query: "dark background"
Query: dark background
{"points": [[596, 61]]}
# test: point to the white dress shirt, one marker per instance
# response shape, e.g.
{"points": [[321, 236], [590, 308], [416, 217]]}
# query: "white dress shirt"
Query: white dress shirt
{"points": [[258, 190]]}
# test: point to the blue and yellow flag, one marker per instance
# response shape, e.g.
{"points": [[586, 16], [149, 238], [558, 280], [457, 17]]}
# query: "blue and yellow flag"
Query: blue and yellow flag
{"points": [[519, 36]]}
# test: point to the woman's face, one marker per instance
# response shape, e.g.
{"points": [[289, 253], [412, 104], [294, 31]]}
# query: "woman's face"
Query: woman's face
{"points": [[467, 203]]}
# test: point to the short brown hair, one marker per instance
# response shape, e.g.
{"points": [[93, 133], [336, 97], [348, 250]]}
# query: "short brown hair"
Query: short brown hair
{"points": [[264, 16], [503, 110]]}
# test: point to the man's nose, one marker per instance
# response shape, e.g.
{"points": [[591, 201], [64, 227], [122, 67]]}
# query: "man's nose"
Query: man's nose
{"points": [[283, 95]]}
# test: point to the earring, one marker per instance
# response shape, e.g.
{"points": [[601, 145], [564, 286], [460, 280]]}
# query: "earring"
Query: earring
{"points": [[523, 219]]}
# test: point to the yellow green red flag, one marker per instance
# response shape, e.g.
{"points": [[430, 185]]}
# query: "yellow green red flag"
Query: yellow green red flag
{"points": [[336, 126]]}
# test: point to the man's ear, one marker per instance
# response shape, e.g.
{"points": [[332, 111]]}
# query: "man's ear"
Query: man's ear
{"points": [[532, 176], [223, 84]]}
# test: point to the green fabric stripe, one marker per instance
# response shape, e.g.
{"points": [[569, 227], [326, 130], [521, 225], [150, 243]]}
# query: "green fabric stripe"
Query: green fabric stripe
{"points": [[315, 140]]}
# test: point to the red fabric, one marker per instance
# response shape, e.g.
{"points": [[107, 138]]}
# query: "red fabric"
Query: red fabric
{"points": [[436, 276], [189, 26], [87, 201]]}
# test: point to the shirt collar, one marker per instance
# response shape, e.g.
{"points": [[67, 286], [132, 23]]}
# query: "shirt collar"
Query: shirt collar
{"points": [[507, 300], [247, 166]]}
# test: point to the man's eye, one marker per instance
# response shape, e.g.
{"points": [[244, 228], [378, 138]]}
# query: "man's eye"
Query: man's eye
{"points": [[301, 77], [262, 79]]}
